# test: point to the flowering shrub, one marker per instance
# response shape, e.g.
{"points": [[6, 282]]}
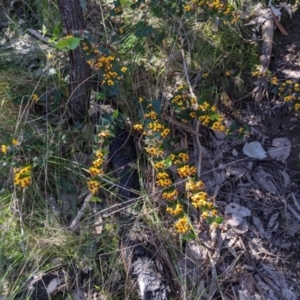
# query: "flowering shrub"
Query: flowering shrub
{"points": [[166, 9], [287, 90], [22, 177], [22, 174], [102, 62], [157, 138]]}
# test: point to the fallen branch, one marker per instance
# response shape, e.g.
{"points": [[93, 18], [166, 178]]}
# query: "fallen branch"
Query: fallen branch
{"points": [[80, 213]]}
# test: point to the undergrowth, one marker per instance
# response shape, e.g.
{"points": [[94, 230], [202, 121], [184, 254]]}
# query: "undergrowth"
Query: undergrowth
{"points": [[162, 60]]}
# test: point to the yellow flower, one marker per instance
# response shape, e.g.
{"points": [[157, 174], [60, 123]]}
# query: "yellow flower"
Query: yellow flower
{"points": [[256, 74], [95, 171], [182, 225], [93, 186], [297, 87], [141, 99], [180, 87], [35, 98], [192, 185], [98, 162], [4, 149], [186, 171], [99, 154], [213, 108], [159, 165], [214, 225], [199, 199], [289, 98], [138, 127], [104, 134], [228, 10], [204, 119], [110, 82], [118, 9], [205, 214], [153, 115], [218, 126], [164, 182], [297, 106], [154, 151], [193, 100], [172, 156], [155, 126], [228, 73], [15, 142], [24, 171], [22, 176], [49, 55], [187, 8], [24, 182], [175, 211], [183, 156], [193, 114], [124, 69], [165, 132], [204, 106], [162, 175], [274, 80], [214, 212], [170, 195]]}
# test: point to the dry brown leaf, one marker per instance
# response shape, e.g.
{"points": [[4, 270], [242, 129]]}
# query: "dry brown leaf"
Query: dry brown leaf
{"points": [[293, 229], [259, 226], [264, 180], [249, 284], [281, 149]]}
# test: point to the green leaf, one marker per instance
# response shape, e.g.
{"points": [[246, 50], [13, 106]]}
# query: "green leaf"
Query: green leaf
{"points": [[107, 116], [189, 237], [214, 117], [115, 114], [67, 44], [62, 45], [210, 220], [56, 32], [95, 200], [73, 43], [219, 220], [233, 126], [275, 90], [44, 29], [125, 2], [100, 96], [156, 106], [157, 12], [143, 30], [168, 162], [105, 122]]}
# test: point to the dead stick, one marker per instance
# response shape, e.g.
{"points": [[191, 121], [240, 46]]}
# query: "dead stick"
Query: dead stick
{"points": [[80, 213]]}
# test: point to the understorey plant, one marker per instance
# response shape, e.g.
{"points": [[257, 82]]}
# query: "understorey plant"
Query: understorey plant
{"points": [[158, 138]]}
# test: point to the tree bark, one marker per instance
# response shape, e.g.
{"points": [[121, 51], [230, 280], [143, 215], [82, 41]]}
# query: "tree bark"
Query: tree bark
{"points": [[80, 72]]}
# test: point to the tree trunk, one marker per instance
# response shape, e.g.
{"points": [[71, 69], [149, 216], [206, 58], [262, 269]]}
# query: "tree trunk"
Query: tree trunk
{"points": [[78, 103]]}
